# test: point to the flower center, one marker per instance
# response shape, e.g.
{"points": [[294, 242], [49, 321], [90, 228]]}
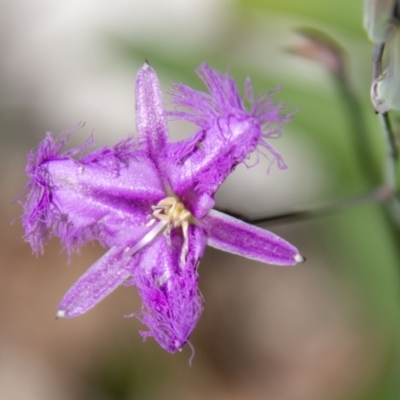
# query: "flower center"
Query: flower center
{"points": [[174, 214], [171, 214]]}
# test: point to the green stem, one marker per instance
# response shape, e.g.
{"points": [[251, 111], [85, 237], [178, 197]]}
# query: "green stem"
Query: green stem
{"points": [[358, 131], [390, 168]]}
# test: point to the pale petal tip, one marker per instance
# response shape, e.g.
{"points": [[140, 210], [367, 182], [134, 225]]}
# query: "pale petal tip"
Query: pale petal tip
{"points": [[60, 314], [299, 258]]}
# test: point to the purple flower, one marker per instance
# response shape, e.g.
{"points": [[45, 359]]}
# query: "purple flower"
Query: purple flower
{"points": [[150, 201]]}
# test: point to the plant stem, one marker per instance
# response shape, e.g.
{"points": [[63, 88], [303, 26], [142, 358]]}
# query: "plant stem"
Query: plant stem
{"points": [[358, 130], [380, 194], [377, 60], [390, 168]]}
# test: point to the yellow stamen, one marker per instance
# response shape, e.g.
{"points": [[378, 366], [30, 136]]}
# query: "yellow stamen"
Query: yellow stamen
{"points": [[174, 213]]}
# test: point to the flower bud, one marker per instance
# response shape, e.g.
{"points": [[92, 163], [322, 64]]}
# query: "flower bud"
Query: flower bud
{"points": [[385, 90], [320, 47]]}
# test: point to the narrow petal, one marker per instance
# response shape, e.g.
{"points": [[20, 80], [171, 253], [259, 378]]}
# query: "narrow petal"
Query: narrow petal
{"points": [[235, 236], [97, 282], [171, 300], [150, 116]]}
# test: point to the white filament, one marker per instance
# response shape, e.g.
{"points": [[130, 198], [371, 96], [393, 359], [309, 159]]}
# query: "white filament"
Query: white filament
{"points": [[147, 238]]}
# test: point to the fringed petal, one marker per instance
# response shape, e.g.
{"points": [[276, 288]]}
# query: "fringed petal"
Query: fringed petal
{"points": [[101, 196], [171, 301], [228, 135]]}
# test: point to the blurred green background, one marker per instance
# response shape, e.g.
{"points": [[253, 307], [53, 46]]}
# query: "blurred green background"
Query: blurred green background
{"points": [[327, 329]]}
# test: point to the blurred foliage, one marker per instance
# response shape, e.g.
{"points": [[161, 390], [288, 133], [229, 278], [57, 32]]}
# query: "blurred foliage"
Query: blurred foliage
{"points": [[359, 244], [341, 14], [126, 373]]}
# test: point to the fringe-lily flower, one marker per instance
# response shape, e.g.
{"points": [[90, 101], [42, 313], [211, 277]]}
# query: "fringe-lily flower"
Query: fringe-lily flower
{"points": [[150, 201]]}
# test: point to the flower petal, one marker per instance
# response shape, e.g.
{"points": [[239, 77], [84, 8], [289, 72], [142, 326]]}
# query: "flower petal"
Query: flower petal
{"points": [[228, 134], [97, 282], [150, 116], [171, 300], [235, 236], [102, 196]]}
